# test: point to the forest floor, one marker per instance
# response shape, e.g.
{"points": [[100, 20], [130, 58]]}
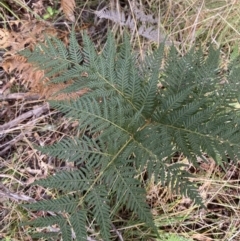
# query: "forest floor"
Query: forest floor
{"points": [[26, 120]]}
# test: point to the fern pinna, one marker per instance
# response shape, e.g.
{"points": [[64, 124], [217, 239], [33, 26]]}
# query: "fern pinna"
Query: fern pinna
{"points": [[137, 114]]}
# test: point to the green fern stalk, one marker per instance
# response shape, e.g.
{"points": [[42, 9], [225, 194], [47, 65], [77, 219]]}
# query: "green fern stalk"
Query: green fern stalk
{"points": [[138, 116]]}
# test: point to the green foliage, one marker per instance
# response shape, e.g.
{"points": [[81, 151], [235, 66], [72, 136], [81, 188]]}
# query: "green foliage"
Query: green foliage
{"points": [[132, 125]]}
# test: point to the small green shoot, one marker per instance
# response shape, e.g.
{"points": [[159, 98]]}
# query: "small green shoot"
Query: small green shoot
{"points": [[51, 13]]}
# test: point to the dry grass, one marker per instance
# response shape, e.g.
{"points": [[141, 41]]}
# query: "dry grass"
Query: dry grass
{"points": [[219, 221], [186, 23], [201, 22]]}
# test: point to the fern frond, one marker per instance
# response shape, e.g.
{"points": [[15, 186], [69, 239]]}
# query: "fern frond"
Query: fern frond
{"points": [[56, 55], [119, 17], [76, 150], [68, 181], [74, 49], [108, 58], [90, 54], [181, 184], [135, 126], [129, 192], [78, 222], [97, 200], [63, 204], [66, 231], [46, 221], [173, 101]]}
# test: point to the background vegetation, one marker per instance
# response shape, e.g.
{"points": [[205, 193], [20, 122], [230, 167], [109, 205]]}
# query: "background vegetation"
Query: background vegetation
{"points": [[185, 23]]}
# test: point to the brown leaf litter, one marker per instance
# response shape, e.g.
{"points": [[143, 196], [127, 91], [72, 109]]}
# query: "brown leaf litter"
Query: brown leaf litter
{"points": [[68, 9], [23, 35]]}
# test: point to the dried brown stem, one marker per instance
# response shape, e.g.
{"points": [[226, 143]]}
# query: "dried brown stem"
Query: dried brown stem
{"points": [[17, 96], [35, 112]]}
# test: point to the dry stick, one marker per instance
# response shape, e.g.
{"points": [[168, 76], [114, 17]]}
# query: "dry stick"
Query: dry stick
{"points": [[5, 192], [18, 96], [118, 233], [11, 177], [11, 143], [35, 112], [90, 239], [17, 138]]}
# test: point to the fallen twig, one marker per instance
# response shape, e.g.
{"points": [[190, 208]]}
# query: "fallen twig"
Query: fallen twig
{"points": [[5, 192], [17, 96], [35, 112]]}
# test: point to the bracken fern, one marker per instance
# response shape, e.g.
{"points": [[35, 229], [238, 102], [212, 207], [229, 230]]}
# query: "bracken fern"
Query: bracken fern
{"points": [[137, 116]]}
